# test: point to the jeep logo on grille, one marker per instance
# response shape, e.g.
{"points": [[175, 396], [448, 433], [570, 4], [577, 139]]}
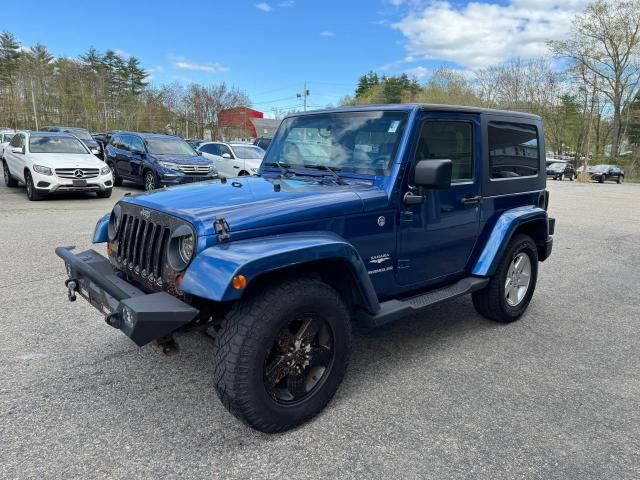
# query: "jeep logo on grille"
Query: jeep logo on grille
{"points": [[78, 173], [145, 213]]}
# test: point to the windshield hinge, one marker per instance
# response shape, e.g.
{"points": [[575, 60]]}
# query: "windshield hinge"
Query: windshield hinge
{"points": [[222, 228]]}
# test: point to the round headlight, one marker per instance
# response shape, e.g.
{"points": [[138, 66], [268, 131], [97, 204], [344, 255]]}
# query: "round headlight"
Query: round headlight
{"points": [[186, 246], [182, 247], [114, 222]]}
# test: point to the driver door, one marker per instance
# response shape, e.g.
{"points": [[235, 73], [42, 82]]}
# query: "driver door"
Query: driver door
{"points": [[436, 238], [16, 161]]}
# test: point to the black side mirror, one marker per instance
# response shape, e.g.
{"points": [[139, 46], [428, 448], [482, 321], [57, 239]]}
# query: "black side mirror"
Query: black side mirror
{"points": [[138, 152], [430, 174]]}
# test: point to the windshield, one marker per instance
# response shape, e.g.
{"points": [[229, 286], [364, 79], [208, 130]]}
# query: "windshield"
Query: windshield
{"points": [[169, 146], [556, 166], [7, 137], [599, 168], [81, 133], [247, 152], [42, 144], [358, 142]]}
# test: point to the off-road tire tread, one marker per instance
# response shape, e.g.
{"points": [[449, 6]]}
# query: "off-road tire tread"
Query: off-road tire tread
{"points": [[488, 302], [237, 335]]}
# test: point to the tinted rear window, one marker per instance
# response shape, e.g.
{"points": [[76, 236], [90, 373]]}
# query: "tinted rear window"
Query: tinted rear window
{"points": [[513, 150]]}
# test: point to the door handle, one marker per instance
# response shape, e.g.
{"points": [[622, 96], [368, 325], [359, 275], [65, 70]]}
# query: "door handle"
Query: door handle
{"points": [[471, 200], [235, 167]]}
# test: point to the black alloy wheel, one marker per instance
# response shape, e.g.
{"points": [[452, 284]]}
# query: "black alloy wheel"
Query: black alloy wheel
{"points": [[299, 360]]}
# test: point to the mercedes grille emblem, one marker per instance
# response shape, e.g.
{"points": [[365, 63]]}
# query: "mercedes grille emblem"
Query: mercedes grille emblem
{"points": [[78, 173]]}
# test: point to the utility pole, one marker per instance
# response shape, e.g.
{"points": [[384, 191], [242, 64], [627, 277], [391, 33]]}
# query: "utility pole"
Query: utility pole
{"points": [[304, 95], [33, 102]]}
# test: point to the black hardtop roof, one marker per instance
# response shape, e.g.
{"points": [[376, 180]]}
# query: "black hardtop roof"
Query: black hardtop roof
{"points": [[423, 107]]}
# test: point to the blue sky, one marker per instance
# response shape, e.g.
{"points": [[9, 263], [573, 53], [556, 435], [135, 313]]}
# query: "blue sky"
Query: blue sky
{"points": [[269, 48]]}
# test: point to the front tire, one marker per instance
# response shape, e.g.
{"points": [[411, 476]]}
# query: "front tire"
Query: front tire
{"points": [[9, 181], [150, 182], [510, 289], [602, 179], [117, 180], [620, 179], [282, 353], [32, 191]]}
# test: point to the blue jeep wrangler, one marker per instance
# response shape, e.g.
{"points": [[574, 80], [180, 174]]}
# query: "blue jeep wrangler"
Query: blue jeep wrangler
{"points": [[362, 214]]}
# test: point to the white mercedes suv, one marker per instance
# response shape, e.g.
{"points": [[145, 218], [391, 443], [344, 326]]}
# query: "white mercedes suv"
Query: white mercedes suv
{"points": [[52, 162]]}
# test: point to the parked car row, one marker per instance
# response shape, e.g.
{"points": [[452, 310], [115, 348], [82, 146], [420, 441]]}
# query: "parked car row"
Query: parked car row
{"points": [[560, 170], [233, 159]]}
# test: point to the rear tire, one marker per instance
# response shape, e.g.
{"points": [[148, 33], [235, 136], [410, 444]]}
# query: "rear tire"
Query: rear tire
{"points": [[620, 179], [493, 302], [603, 179], [260, 373], [9, 181], [32, 192]]}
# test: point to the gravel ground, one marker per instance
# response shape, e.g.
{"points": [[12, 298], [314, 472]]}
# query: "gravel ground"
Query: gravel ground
{"points": [[445, 394]]}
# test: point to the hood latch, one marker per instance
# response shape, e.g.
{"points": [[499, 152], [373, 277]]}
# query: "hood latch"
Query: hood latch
{"points": [[222, 228]]}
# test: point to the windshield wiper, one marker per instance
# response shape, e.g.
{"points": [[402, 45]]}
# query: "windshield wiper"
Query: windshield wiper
{"points": [[331, 170], [284, 168]]}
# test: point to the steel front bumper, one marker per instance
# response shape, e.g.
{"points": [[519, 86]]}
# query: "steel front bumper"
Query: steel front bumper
{"points": [[142, 317]]}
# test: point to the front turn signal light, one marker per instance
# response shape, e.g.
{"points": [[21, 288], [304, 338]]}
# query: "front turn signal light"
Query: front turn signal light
{"points": [[239, 282]]}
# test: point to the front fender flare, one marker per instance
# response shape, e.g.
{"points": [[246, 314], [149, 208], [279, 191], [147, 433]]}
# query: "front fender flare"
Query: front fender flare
{"points": [[501, 234], [211, 272], [101, 232]]}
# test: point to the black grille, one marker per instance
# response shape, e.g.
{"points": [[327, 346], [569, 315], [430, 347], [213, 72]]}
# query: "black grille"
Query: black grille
{"points": [[142, 246]]}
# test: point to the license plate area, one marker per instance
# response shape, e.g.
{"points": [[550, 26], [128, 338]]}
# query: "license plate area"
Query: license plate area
{"points": [[79, 183], [97, 297]]}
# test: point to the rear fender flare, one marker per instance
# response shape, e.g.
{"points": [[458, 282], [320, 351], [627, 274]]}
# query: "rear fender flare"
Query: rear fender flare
{"points": [[505, 227], [211, 272]]}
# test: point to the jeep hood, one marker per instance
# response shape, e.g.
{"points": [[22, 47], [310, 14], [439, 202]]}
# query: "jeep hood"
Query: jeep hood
{"points": [[255, 202]]}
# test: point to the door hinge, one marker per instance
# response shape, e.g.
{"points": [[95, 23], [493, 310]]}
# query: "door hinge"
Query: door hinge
{"points": [[404, 263], [406, 216]]}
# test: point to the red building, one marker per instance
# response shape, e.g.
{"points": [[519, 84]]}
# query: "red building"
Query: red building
{"points": [[237, 122]]}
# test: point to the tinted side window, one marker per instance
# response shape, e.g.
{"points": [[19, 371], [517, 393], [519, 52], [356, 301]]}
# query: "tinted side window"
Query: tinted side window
{"points": [[135, 143], [224, 149], [210, 149], [115, 141], [17, 141], [513, 150], [441, 140], [125, 142]]}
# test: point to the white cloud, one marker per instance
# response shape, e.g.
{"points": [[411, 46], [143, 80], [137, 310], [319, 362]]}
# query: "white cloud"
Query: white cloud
{"points": [[288, 3], [417, 72], [480, 34], [122, 53], [327, 33], [184, 64], [264, 6]]}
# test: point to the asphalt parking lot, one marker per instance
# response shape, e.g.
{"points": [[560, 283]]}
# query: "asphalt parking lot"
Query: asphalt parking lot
{"points": [[443, 395]]}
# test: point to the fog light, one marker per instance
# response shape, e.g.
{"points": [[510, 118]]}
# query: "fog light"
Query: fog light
{"points": [[239, 282]]}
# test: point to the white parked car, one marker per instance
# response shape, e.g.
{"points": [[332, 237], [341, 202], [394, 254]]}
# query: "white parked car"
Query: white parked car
{"points": [[233, 159], [48, 162]]}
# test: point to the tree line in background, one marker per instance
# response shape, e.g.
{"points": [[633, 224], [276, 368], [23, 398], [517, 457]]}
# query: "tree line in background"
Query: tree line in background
{"points": [[590, 106], [100, 92]]}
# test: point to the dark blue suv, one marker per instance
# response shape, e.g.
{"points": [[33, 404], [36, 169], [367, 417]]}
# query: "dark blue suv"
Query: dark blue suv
{"points": [[155, 160]]}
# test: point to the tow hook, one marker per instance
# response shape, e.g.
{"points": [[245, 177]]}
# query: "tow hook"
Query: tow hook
{"points": [[114, 320], [168, 346], [72, 288]]}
